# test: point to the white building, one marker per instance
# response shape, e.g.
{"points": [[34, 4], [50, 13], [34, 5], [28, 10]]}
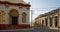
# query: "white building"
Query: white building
{"points": [[50, 19], [14, 14]]}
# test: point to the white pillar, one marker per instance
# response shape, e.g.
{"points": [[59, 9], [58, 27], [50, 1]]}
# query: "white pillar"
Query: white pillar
{"points": [[6, 15], [20, 19], [53, 21], [59, 20], [7, 18], [48, 22]]}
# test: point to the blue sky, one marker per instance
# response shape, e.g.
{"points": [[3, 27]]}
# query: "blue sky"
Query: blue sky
{"points": [[42, 6]]}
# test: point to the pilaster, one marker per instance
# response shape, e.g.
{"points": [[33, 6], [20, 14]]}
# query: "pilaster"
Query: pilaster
{"points": [[59, 20], [48, 22], [53, 22]]}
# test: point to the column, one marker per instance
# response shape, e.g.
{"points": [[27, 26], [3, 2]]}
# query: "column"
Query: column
{"points": [[53, 23], [20, 19], [59, 20], [7, 18], [7, 15], [48, 22]]}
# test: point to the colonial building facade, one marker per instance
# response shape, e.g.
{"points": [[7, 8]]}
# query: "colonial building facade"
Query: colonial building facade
{"points": [[14, 14], [50, 19]]}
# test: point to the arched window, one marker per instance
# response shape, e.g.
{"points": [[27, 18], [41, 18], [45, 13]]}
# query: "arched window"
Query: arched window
{"points": [[24, 17], [56, 21], [2, 16]]}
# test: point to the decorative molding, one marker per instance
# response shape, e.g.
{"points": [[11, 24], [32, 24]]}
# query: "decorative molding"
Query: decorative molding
{"points": [[6, 5], [28, 8], [20, 6], [15, 12], [14, 4]]}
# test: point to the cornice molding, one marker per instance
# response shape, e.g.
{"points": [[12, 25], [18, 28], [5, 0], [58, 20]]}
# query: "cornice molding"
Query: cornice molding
{"points": [[15, 4]]}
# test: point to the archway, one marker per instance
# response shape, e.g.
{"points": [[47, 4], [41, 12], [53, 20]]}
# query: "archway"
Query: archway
{"points": [[13, 17], [56, 21]]}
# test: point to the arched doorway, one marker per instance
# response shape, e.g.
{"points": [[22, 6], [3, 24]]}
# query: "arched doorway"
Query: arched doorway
{"points": [[13, 17], [56, 21], [46, 21]]}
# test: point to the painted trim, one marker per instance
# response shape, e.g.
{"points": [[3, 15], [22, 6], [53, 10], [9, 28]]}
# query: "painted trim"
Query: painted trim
{"points": [[20, 26], [15, 4]]}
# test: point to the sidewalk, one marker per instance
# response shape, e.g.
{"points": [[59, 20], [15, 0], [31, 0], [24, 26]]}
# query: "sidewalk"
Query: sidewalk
{"points": [[18, 29]]}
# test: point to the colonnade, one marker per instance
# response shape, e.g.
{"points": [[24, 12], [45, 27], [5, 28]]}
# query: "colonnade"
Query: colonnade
{"points": [[53, 21]]}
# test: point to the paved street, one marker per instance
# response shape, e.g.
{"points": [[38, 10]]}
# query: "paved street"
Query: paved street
{"points": [[28, 30]]}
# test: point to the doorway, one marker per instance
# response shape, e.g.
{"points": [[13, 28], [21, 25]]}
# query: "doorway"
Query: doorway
{"points": [[13, 17], [14, 20]]}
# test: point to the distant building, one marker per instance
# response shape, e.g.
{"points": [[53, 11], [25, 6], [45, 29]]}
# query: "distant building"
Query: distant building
{"points": [[14, 14], [32, 23], [50, 19]]}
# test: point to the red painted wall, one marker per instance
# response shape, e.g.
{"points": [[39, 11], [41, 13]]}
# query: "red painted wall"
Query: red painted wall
{"points": [[21, 26]]}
